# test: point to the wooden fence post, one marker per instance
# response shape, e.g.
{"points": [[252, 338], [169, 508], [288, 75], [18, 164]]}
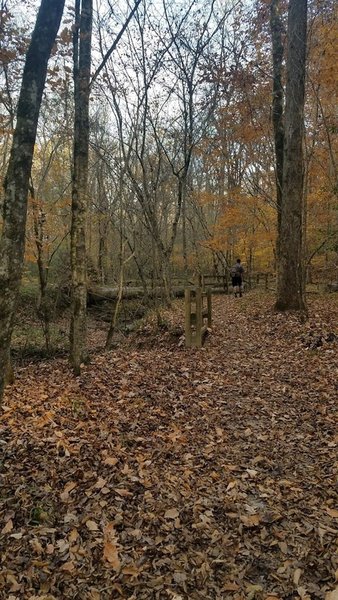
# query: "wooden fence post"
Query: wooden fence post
{"points": [[199, 318], [209, 307], [187, 300]]}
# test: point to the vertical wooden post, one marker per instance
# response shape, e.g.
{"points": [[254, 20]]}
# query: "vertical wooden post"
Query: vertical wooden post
{"points": [[195, 315], [187, 300], [199, 318], [209, 307]]}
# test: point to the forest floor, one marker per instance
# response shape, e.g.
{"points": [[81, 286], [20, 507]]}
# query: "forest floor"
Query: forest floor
{"points": [[174, 474]]}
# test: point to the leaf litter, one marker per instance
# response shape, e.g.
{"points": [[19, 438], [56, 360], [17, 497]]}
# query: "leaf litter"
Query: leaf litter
{"points": [[168, 473]]}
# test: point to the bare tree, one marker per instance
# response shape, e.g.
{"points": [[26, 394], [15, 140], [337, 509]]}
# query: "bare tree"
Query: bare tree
{"points": [[291, 264], [277, 99], [12, 244], [82, 63]]}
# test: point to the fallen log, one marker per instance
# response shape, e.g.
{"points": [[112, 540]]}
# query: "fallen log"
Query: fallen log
{"points": [[100, 293]]}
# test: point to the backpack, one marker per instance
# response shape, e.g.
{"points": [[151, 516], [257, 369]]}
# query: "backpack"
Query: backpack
{"points": [[234, 272]]}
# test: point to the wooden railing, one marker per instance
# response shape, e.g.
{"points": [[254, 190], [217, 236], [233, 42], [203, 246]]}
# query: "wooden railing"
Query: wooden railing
{"points": [[218, 282], [197, 315], [222, 283], [261, 280]]}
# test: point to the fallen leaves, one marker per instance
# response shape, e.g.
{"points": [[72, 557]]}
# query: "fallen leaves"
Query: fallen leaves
{"points": [[160, 476]]}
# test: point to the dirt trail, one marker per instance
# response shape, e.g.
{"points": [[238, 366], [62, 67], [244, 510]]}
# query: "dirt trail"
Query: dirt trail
{"points": [[170, 473]]}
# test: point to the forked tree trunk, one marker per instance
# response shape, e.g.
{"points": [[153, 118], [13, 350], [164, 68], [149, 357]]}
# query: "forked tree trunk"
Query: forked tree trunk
{"points": [[82, 62], [12, 244], [291, 264]]}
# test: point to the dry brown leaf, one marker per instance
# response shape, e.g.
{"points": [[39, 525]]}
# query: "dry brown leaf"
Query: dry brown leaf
{"points": [[171, 513], [71, 485], [36, 546], [283, 546], [296, 576], [110, 551], [39, 597], [94, 594], [100, 483], [180, 576], [302, 592], [252, 472], [15, 586], [132, 570], [333, 595], [16, 536], [8, 527], [250, 520], [68, 566], [111, 461], [333, 512], [252, 590], [62, 545], [230, 587], [91, 525], [123, 492], [74, 534]]}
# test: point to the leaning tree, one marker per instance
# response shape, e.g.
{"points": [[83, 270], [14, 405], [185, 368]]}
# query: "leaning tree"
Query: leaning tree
{"points": [[12, 242]]}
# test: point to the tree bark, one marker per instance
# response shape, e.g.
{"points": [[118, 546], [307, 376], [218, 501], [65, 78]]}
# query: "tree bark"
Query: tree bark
{"points": [[291, 264], [42, 307], [277, 101], [12, 244], [82, 63]]}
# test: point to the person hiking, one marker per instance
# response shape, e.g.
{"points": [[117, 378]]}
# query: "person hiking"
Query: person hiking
{"points": [[237, 273]]}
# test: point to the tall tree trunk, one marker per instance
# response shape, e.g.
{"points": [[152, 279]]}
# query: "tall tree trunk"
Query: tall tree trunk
{"points": [[277, 100], [82, 63], [42, 307], [12, 244], [291, 264], [182, 184]]}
